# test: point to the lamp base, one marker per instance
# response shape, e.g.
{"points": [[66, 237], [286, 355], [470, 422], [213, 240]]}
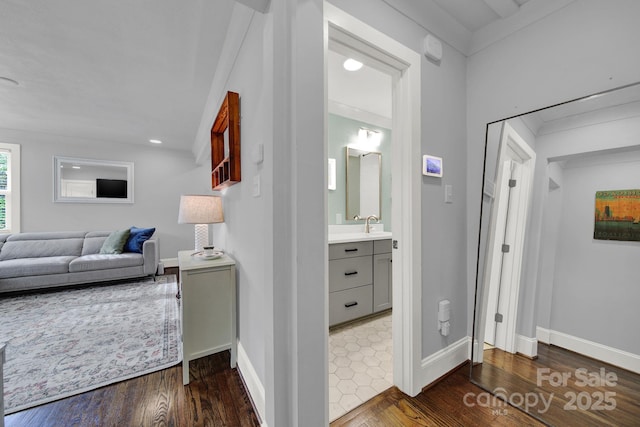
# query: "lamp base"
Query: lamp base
{"points": [[202, 236]]}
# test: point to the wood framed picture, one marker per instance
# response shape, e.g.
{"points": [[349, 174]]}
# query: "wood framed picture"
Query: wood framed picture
{"points": [[225, 144]]}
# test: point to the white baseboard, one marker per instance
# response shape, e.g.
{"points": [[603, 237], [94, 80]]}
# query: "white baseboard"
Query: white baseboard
{"points": [[443, 361], [527, 346], [607, 354], [253, 383], [543, 335]]}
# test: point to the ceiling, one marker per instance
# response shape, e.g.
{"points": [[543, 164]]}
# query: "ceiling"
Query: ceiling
{"points": [[126, 73], [474, 15], [366, 90], [106, 73]]}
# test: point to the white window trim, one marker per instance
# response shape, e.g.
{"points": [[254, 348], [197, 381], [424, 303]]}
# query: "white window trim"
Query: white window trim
{"points": [[13, 184]]}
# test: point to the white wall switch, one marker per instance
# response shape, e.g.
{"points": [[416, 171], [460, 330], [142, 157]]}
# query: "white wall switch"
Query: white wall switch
{"points": [[256, 186], [448, 193], [258, 154]]}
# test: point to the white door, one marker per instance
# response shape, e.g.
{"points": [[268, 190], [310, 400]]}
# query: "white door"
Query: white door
{"points": [[502, 279]]}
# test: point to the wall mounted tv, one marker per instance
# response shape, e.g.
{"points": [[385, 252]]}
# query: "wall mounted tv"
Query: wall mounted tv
{"points": [[111, 188]]}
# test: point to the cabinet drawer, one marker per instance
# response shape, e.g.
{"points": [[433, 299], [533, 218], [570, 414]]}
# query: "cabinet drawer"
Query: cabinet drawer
{"points": [[350, 273], [349, 250], [350, 304], [382, 246]]}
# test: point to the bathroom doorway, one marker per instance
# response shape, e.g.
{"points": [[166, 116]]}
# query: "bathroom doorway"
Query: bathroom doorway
{"points": [[348, 37], [360, 139]]}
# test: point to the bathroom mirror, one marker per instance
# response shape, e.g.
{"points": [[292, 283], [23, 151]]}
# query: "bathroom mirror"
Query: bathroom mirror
{"points": [[552, 300], [363, 183], [92, 181]]}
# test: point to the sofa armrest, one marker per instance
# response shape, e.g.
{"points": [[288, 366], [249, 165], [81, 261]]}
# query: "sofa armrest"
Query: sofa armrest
{"points": [[150, 256]]}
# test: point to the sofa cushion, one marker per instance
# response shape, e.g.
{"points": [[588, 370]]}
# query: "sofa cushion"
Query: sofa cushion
{"points": [[34, 266], [137, 237], [3, 238], [93, 244], [15, 248], [114, 244], [105, 261]]}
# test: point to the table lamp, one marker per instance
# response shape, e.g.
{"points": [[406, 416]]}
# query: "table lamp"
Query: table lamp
{"points": [[200, 210]]}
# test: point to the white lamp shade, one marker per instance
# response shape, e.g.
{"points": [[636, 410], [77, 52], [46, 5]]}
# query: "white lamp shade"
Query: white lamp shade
{"points": [[200, 209]]}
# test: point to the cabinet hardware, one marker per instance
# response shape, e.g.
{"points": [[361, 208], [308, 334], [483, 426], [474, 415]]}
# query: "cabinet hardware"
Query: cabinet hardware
{"points": [[351, 250], [351, 304], [350, 273]]}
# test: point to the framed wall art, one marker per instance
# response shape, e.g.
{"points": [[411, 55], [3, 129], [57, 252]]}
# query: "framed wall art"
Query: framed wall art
{"points": [[617, 215]]}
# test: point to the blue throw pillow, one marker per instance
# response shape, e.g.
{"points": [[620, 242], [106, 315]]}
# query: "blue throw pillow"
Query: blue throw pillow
{"points": [[137, 236]]}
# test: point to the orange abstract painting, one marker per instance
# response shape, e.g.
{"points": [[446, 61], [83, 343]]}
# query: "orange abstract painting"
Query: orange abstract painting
{"points": [[617, 215]]}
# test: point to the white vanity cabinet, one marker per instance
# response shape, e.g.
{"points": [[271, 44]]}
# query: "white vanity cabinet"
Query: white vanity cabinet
{"points": [[359, 279]]}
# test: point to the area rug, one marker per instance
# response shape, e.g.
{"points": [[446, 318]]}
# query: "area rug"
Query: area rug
{"points": [[67, 342]]}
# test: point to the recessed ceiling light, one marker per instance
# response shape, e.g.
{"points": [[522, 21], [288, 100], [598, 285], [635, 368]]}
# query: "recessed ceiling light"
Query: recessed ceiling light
{"points": [[8, 80], [352, 65], [155, 141]]}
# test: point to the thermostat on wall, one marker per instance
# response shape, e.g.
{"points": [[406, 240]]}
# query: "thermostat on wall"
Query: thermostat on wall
{"points": [[431, 165]]}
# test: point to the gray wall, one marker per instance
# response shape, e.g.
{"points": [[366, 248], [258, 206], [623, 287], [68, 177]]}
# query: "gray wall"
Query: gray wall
{"points": [[444, 234], [595, 286], [245, 232], [160, 177], [540, 65], [342, 132]]}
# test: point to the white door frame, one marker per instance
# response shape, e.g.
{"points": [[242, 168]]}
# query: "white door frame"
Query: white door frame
{"points": [[515, 147], [406, 207]]}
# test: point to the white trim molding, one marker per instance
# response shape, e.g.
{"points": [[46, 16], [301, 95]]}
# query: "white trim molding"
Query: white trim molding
{"points": [[252, 382], [526, 346], [445, 360], [614, 356]]}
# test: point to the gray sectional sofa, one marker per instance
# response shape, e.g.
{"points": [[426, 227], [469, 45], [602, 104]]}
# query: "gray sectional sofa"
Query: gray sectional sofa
{"points": [[49, 259]]}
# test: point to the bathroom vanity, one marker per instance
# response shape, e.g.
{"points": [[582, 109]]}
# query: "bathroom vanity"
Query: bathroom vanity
{"points": [[359, 275]]}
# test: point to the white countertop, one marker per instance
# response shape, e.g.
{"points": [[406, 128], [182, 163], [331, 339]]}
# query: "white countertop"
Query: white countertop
{"points": [[358, 236]]}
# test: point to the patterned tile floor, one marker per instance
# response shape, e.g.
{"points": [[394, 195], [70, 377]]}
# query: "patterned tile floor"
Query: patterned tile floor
{"points": [[360, 363]]}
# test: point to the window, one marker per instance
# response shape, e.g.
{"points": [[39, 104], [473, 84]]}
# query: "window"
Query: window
{"points": [[9, 188]]}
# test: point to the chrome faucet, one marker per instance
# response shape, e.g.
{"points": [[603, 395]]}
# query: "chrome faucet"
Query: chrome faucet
{"points": [[367, 226]]}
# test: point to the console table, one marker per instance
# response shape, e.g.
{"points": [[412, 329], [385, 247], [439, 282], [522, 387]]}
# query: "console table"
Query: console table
{"points": [[208, 292]]}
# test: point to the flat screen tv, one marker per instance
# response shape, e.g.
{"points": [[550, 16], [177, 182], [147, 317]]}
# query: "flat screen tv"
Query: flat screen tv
{"points": [[111, 188]]}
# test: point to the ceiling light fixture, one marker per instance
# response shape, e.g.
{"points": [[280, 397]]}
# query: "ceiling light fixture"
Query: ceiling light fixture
{"points": [[155, 141], [8, 80], [352, 65]]}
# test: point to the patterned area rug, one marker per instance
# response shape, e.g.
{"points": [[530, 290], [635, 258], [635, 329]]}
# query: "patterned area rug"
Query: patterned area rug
{"points": [[67, 342]]}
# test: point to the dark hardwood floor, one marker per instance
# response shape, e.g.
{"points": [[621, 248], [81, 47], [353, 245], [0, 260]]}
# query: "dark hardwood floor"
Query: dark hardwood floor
{"points": [[579, 390], [214, 397], [443, 404]]}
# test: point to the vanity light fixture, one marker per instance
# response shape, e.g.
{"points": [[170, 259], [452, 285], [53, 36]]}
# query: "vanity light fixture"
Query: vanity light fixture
{"points": [[368, 137], [155, 141], [352, 65]]}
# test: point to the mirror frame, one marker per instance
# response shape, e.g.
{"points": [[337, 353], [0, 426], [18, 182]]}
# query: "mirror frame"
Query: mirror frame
{"points": [[346, 206], [488, 189], [57, 180]]}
